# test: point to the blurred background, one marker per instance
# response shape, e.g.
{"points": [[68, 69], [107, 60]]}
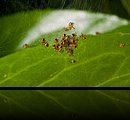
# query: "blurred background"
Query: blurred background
{"points": [[118, 7]]}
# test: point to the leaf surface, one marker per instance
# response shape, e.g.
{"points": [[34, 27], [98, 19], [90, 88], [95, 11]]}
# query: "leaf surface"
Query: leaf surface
{"points": [[99, 62]]}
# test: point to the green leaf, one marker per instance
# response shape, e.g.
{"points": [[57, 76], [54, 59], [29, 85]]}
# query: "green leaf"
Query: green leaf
{"points": [[99, 62]]}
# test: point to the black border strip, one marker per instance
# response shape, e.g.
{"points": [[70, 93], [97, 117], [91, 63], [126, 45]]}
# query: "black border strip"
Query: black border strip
{"points": [[64, 88]]}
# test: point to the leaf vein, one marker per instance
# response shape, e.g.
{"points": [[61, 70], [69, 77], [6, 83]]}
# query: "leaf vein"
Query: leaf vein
{"points": [[113, 98], [65, 69], [34, 64], [53, 99], [114, 78]]}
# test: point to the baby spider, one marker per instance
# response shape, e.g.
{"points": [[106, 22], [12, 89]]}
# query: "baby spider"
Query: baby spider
{"points": [[46, 44], [63, 36], [97, 33], [69, 51], [56, 40], [73, 45], [43, 40], [74, 36], [70, 26], [121, 45], [25, 45], [83, 36], [55, 46], [73, 61], [60, 48]]}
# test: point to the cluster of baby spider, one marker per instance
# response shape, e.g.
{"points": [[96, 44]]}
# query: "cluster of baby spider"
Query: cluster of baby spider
{"points": [[67, 42]]}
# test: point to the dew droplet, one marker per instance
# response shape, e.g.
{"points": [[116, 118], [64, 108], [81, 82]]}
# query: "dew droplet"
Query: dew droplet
{"points": [[5, 75], [53, 74]]}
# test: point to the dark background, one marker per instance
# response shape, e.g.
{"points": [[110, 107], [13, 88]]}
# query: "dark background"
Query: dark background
{"points": [[105, 6]]}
